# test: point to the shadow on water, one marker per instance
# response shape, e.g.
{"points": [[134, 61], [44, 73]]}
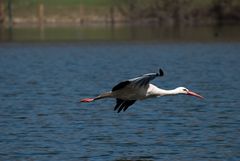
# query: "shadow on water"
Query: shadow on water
{"points": [[136, 158], [120, 33]]}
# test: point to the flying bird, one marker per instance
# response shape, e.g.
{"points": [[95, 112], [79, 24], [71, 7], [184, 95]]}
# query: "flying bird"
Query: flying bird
{"points": [[140, 88]]}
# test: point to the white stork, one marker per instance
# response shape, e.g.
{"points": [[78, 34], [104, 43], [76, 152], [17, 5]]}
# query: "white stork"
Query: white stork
{"points": [[129, 91]]}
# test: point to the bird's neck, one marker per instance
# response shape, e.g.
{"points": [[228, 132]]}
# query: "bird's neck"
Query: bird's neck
{"points": [[155, 91], [164, 92]]}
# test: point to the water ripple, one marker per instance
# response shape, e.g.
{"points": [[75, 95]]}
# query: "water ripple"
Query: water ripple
{"points": [[41, 117]]}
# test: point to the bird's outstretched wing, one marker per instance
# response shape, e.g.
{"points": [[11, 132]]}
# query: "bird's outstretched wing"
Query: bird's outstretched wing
{"points": [[139, 81], [121, 85], [123, 104]]}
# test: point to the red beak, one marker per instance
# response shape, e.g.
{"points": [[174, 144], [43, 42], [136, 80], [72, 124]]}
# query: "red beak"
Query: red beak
{"points": [[194, 94]]}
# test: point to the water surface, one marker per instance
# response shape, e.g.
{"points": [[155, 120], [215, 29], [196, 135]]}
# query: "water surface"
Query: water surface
{"points": [[41, 117], [121, 33]]}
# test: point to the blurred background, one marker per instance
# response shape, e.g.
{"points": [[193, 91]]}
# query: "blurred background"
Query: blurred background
{"points": [[70, 20]]}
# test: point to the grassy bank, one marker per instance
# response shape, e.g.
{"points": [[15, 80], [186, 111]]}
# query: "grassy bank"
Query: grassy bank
{"points": [[161, 12]]}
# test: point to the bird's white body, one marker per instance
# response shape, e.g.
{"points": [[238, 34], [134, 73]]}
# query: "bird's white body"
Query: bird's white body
{"points": [[127, 92]]}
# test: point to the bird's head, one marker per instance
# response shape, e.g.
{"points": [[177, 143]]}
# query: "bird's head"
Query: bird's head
{"points": [[183, 90]]}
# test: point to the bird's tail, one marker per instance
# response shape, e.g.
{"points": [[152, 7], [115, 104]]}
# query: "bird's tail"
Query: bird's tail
{"points": [[101, 96]]}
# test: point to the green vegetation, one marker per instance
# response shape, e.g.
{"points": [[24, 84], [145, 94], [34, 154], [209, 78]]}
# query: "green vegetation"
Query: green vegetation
{"points": [[171, 12], [79, 2], [66, 3], [196, 3]]}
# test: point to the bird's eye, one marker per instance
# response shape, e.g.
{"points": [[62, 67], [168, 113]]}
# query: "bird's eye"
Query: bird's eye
{"points": [[184, 89]]}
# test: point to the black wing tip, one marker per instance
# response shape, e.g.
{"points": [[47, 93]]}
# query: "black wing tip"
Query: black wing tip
{"points": [[122, 105], [160, 72]]}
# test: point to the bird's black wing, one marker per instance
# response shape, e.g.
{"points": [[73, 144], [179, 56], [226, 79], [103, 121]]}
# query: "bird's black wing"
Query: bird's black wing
{"points": [[123, 104], [139, 81], [120, 85], [145, 79]]}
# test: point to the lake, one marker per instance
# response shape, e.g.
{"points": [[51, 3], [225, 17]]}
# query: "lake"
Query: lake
{"points": [[41, 117]]}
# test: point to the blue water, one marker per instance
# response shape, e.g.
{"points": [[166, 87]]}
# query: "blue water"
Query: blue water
{"points": [[41, 117]]}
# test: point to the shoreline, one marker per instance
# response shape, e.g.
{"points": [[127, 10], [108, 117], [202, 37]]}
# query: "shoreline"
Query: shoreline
{"points": [[116, 13]]}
